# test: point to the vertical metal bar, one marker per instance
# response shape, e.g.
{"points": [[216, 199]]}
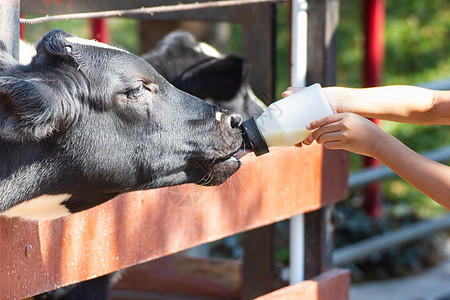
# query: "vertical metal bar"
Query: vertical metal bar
{"points": [[100, 32], [299, 35], [10, 25], [23, 30], [299, 41], [297, 248], [374, 19]]}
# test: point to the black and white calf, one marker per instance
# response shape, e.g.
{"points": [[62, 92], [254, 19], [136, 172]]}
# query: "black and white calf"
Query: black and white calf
{"points": [[199, 69], [84, 122]]}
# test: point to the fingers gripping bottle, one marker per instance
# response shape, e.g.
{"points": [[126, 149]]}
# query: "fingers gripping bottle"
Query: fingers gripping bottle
{"points": [[284, 122]]}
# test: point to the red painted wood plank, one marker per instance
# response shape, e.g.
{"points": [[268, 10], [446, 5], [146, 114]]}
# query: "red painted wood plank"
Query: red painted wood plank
{"points": [[141, 226], [333, 284]]}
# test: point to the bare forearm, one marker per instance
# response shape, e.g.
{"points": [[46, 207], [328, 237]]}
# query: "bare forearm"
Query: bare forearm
{"points": [[428, 176], [396, 103]]}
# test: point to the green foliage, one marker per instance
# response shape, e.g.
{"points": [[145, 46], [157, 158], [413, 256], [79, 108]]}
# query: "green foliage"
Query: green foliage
{"points": [[77, 27], [282, 46], [350, 44], [123, 31], [416, 42]]}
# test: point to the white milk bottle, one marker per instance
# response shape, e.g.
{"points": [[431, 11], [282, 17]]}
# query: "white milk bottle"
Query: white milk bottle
{"points": [[284, 122]]}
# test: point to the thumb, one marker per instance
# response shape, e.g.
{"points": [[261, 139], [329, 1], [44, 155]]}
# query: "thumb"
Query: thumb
{"points": [[291, 90]]}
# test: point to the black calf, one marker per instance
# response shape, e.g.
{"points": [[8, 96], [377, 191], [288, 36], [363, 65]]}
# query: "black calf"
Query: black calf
{"points": [[201, 70], [81, 111]]}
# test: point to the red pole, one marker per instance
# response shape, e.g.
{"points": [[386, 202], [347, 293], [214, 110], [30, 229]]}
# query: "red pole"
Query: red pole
{"points": [[374, 22], [99, 30], [23, 31]]}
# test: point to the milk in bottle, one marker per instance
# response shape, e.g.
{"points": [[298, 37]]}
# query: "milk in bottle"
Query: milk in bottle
{"points": [[284, 122]]}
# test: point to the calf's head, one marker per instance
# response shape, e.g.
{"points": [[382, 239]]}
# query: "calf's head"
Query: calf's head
{"points": [[201, 70], [85, 121]]}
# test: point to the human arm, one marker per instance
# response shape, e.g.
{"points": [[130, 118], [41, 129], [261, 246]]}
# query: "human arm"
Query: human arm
{"points": [[354, 133], [400, 103]]}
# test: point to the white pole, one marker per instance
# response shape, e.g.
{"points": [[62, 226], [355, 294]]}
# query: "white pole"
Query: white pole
{"points": [[298, 78], [297, 249], [299, 38]]}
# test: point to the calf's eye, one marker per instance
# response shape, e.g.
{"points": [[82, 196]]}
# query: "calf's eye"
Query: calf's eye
{"points": [[135, 93], [68, 49]]}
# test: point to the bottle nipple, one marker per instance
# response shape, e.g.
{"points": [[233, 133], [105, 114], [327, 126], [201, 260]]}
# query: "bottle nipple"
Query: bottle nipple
{"points": [[253, 137]]}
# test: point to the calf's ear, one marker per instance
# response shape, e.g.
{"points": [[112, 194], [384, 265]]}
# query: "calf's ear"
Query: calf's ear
{"points": [[28, 111], [218, 79]]}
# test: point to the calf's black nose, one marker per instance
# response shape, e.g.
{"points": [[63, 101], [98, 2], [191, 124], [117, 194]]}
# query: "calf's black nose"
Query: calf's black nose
{"points": [[235, 120]]}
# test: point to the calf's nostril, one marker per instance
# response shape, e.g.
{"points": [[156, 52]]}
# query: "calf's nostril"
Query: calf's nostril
{"points": [[235, 120]]}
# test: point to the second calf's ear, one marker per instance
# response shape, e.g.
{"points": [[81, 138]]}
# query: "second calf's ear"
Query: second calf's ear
{"points": [[218, 79]]}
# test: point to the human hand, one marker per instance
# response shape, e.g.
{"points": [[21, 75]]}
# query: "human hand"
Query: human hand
{"points": [[346, 131], [291, 90]]}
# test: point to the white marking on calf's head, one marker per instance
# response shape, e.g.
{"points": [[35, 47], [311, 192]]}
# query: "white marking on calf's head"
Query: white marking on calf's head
{"points": [[209, 50], [45, 207], [26, 52], [94, 43], [218, 116]]}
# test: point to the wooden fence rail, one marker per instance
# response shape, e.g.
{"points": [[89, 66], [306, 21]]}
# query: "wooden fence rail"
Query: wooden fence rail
{"points": [[142, 226]]}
